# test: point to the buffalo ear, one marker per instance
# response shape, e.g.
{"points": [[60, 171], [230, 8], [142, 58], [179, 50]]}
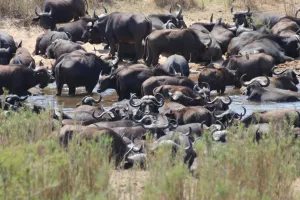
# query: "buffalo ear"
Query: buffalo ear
{"points": [[35, 19]]}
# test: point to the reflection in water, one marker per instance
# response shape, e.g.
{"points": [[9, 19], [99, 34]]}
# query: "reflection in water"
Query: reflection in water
{"points": [[68, 103]]}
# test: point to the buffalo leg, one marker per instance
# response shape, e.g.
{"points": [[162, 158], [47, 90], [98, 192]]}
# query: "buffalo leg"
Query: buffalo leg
{"points": [[112, 45], [89, 89], [59, 87], [72, 90], [138, 50], [223, 89]]}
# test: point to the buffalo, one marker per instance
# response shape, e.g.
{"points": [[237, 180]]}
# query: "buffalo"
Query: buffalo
{"points": [[161, 21], [23, 58], [218, 78], [45, 40], [117, 27], [183, 42], [80, 68], [18, 79], [155, 81], [257, 91], [177, 64], [60, 47], [60, 11], [8, 47]]}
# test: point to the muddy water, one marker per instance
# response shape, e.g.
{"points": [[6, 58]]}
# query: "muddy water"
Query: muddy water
{"points": [[68, 103]]}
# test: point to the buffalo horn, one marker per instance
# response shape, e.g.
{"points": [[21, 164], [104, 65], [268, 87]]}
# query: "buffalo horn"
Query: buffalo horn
{"points": [[105, 10], [227, 102], [132, 103], [159, 100], [296, 14], [268, 82], [178, 14], [242, 81], [102, 114], [211, 18], [36, 12], [278, 73], [231, 10]]}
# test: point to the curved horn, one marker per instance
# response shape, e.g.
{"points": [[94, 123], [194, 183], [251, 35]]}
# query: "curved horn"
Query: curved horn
{"points": [[220, 116], [36, 12], [222, 125], [244, 112], [211, 102], [201, 124], [211, 18], [105, 10], [100, 75], [196, 88], [268, 82], [278, 73], [95, 16], [178, 14], [170, 10], [242, 81], [160, 102], [132, 103], [51, 38], [231, 10], [296, 14], [228, 102], [50, 12], [102, 114], [155, 90], [249, 10], [98, 100], [189, 132]]}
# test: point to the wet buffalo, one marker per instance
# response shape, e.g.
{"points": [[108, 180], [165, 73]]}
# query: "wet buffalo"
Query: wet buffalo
{"points": [[253, 65], [60, 11], [155, 81], [257, 91], [218, 78], [18, 79], [128, 80], [80, 68]]}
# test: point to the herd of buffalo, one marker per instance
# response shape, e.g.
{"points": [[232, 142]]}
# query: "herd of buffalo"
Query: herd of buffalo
{"points": [[250, 50]]}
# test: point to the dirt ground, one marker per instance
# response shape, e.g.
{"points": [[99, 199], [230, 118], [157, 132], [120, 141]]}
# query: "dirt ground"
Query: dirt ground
{"points": [[122, 181]]}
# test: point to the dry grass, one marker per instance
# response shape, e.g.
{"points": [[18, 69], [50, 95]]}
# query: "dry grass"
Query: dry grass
{"points": [[184, 3]]}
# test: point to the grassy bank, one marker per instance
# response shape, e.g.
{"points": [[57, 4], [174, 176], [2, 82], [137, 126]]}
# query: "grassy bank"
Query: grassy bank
{"points": [[34, 166]]}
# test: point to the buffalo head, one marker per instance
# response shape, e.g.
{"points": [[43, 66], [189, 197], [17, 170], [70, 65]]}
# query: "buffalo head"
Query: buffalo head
{"points": [[45, 18], [253, 84], [203, 90], [43, 77], [179, 22], [287, 72], [147, 104], [241, 17]]}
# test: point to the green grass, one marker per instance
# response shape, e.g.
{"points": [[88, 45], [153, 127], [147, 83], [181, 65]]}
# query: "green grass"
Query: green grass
{"points": [[34, 166]]}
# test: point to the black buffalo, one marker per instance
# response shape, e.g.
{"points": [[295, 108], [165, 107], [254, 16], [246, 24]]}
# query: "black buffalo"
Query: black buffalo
{"points": [[60, 47], [160, 21], [117, 27], [8, 48], [18, 79], [23, 58], [45, 40], [80, 68], [60, 11]]}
